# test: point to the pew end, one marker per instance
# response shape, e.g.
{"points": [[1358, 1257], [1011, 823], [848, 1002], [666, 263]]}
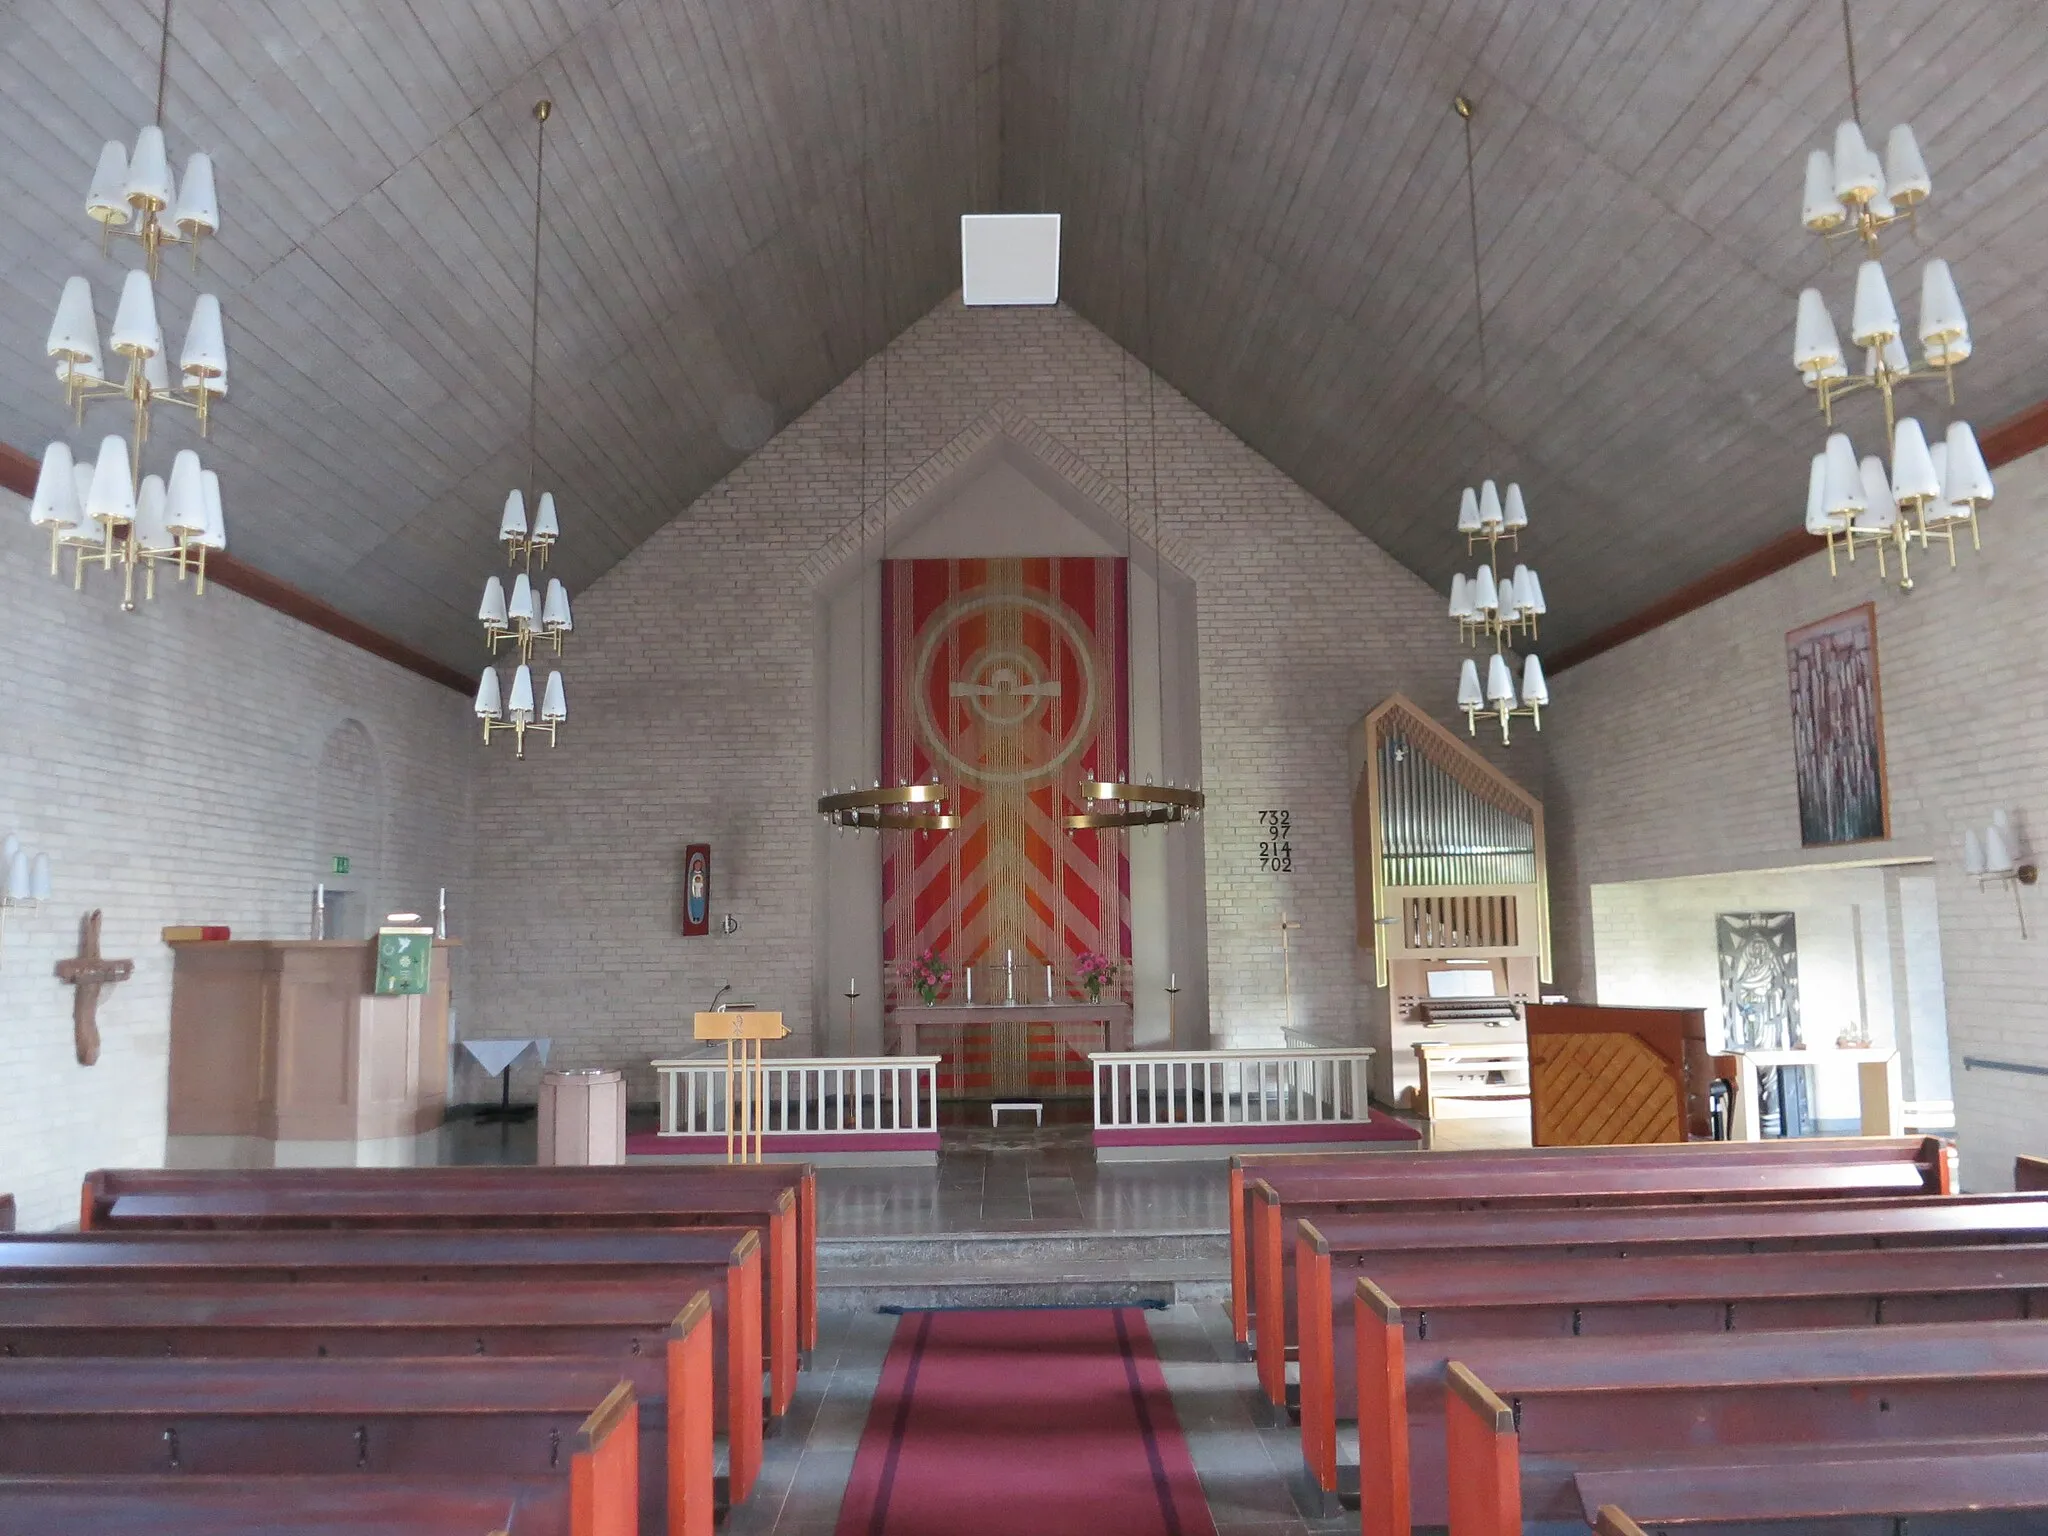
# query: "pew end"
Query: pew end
{"points": [[1383, 1471], [1268, 1268], [2029, 1174], [1610, 1521], [692, 1458], [604, 1469], [1483, 1452]]}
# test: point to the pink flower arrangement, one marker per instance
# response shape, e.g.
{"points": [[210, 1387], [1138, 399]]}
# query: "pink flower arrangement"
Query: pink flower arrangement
{"points": [[1096, 972], [927, 973]]}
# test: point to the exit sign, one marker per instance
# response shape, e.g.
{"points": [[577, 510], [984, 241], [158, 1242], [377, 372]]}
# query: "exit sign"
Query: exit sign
{"points": [[341, 863]]}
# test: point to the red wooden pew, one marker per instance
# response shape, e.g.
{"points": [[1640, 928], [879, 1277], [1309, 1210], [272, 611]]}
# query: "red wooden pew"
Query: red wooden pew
{"points": [[346, 1505]]}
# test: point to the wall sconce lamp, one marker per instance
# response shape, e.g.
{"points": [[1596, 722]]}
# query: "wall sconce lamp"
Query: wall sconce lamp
{"points": [[24, 880], [1992, 856]]}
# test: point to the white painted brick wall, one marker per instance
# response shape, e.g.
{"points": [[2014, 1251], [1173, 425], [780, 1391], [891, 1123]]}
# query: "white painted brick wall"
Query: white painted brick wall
{"points": [[1672, 755], [691, 679], [167, 761]]}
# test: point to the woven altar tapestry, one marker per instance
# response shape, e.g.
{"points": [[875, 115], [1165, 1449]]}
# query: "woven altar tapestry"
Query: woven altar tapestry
{"points": [[1006, 679]]}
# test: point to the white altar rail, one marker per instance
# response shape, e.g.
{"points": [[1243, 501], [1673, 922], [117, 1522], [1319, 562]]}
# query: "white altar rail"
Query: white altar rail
{"points": [[1187, 1088], [850, 1095]]}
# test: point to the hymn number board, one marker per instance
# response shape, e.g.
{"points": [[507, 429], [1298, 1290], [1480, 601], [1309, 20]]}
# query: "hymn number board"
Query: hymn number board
{"points": [[1276, 851]]}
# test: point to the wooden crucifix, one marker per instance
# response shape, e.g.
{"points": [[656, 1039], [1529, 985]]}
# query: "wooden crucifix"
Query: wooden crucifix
{"points": [[88, 972]]}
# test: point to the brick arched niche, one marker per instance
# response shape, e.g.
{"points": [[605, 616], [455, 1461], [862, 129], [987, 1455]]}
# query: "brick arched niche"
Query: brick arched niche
{"points": [[348, 822], [1005, 488]]}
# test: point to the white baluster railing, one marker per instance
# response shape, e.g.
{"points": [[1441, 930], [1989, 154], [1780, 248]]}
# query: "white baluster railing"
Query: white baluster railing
{"points": [[1146, 1089], [850, 1095]]}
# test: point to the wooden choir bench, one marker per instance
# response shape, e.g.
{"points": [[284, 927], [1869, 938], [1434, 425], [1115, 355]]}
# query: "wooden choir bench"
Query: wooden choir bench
{"points": [[1414, 1315], [1524, 1422], [1445, 1074], [279, 1505], [606, 1196], [1570, 1177], [491, 1419], [723, 1261], [306, 1204]]}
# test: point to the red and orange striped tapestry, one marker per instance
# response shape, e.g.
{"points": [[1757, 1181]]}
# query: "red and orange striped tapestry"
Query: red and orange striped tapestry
{"points": [[1007, 679]]}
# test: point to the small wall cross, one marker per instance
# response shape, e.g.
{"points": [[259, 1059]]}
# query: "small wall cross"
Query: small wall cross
{"points": [[88, 972]]}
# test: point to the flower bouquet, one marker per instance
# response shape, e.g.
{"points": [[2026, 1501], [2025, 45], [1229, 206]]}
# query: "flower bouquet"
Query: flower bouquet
{"points": [[1096, 972], [928, 973]]}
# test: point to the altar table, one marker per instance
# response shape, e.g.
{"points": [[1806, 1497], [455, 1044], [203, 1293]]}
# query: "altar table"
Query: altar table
{"points": [[1012, 1050]]}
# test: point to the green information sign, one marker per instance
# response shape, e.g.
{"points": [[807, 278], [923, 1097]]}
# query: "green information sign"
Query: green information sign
{"points": [[405, 961], [341, 863]]}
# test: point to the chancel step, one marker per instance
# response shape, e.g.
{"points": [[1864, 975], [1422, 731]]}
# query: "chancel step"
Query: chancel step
{"points": [[1022, 1269]]}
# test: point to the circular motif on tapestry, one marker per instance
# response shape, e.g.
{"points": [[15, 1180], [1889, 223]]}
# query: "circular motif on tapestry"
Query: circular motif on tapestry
{"points": [[1007, 689]]}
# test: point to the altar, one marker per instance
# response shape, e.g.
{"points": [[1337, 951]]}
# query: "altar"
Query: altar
{"points": [[1012, 1050]]}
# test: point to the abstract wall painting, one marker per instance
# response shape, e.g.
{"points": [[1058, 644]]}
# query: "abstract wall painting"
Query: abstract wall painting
{"points": [[1838, 729]]}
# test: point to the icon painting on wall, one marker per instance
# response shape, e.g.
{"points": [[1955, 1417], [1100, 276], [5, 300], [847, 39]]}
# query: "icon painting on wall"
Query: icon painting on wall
{"points": [[696, 890], [1759, 980]]}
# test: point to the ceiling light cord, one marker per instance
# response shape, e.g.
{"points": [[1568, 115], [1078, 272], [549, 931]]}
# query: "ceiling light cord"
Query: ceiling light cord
{"points": [[1464, 109], [541, 109], [1152, 424], [163, 65], [1849, 45]]}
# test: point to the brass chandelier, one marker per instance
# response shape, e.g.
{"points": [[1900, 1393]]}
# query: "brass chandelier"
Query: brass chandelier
{"points": [[1134, 802], [1933, 488], [879, 807]]}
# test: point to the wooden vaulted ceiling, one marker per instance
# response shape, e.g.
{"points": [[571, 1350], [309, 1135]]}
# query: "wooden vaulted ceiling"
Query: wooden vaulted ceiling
{"points": [[1294, 254]]}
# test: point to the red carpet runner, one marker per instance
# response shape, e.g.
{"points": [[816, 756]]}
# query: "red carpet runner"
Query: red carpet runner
{"points": [[1029, 1423]]}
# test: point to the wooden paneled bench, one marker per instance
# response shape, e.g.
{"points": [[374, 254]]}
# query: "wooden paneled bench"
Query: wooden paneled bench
{"points": [[1416, 1313], [1573, 1177], [1709, 1227], [657, 1335], [486, 1419], [1523, 1421], [494, 1204], [631, 1190], [1797, 1491], [346, 1505], [548, 1263]]}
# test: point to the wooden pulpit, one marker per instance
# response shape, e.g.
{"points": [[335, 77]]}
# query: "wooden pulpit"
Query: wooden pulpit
{"points": [[742, 1030]]}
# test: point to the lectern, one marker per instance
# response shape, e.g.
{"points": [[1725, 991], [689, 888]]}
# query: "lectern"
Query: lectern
{"points": [[744, 1029]]}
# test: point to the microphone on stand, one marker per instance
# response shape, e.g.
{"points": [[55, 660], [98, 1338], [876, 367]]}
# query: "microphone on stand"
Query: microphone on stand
{"points": [[717, 995]]}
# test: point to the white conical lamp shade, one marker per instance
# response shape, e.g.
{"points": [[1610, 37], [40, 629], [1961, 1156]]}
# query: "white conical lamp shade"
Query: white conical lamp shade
{"points": [[545, 528], [1820, 210], [1817, 519], [554, 609], [113, 491], [75, 333], [1531, 587], [216, 535], [1845, 478], [1485, 595], [1513, 512], [1998, 854], [1942, 320], [1500, 681], [1914, 478], [136, 333], [1879, 510], [1969, 478], [20, 879], [149, 170], [81, 482], [1534, 689], [489, 703], [1815, 346], [198, 207], [1468, 511], [1905, 173], [108, 199], [206, 348], [156, 370], [513, 524], [521, 605], [520, 704], [1510, 601], [554, 704], [492, 609], [1489, 505], [1973, 853], [1858, 178], [1461, 596], [56, 500], [1469, 694], [152, 533], [39, 878], [185, 503], [1876, 319]]}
